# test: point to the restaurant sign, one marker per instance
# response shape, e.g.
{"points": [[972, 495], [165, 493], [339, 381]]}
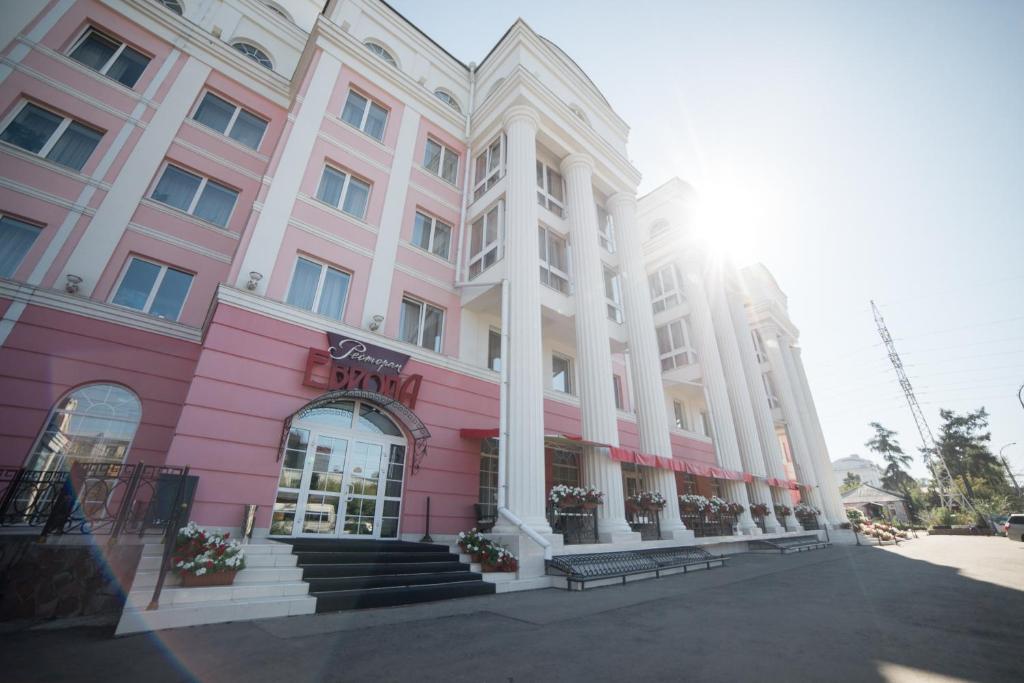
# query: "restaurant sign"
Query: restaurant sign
{"points": [[354, 364]]}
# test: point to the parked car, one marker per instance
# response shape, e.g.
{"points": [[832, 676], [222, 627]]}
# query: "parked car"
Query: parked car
{"points": [[1015, 527]]}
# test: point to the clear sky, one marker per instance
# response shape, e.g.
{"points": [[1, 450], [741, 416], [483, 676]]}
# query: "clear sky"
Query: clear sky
{"points": [[873, 150]]}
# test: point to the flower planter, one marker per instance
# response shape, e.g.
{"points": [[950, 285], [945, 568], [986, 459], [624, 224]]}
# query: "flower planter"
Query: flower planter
{"points": [[589, 505], [225, 578], [569, 503]]}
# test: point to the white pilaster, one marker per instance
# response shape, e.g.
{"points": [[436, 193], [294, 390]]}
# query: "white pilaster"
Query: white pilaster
{"points": [[525, 410], [648, 390], [594, 359]]}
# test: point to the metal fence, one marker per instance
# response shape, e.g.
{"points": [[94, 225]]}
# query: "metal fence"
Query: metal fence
{"points": [[808, 520], [576, 524], [709, 523], [646, 522]]}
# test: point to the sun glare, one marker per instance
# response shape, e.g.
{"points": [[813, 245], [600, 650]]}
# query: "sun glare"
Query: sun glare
{"points": [[735, 215]]}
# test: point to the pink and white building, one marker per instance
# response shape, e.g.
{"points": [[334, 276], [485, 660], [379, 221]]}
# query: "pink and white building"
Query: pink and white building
{"points": [[282, 242]]}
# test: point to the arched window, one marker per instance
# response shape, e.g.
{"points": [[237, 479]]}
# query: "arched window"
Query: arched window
{"points": [[448, 99], [254, 53], [379, 50], [278, 10], [172, 5], [94, 423]]}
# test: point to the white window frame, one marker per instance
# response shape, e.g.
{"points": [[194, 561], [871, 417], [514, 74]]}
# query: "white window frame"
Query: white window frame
{"points": [[366, 114], [619, 392], [203, 180], [769, 389], [614, 305], [759, 349], [234, 117], [491, 176], [344, 190], [113, 58], [605, 229], [544, 196], [39, 231], [324, 267], [546, 265], [686, 349], [706, 425], [434, 220], [420, 324], [249, 50], [382, 53], [55, 137], [447, 98], [570, 374], [487, 247], [490, 359], [156, 285], [668, 281], [682, 420], [445, 152]]}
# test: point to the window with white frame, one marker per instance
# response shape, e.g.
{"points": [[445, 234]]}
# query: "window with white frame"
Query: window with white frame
{"points": [[432, 235], [448, 99], [365, 114], [152, 288], [613, 294], [620, 399], [488, 167], [421, 324], [485, 240], [343, 191], [494, 349], [550, 190], [254, 53], [231, 120], [561, 373], [762, 355], [674, 345], [489, 476], [664, 286], [381, 52], [679, 413], [441, 160], [16, 238], [554, 260], [318, 287], [705, 423], [769, 390], [109, 56], [57, 138], [196, 195], [605, 229]]}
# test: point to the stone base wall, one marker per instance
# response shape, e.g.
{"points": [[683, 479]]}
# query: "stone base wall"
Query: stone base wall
{"points": [[49, 581]]}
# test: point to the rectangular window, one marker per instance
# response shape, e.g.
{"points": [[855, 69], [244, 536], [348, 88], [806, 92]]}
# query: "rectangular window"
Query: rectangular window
{"points": [[231, 120], [620, 401], [679, 411], [674, 345], [769, 390], [195, 195], [605, 230], [489, 476], [550, 191], [58, 138], [554, 260], [110, 57], [716, 487], [705, 423], [613, 294], [565, 468], [494, 350], [365, 114], [561, 374], [421, 324], [441, 161], [16, 238], [152, 288], [488, 167], [343, 191], [485, 240], [319, 288], [664, 286], [689, 484], [762, 355], [430, 234]]}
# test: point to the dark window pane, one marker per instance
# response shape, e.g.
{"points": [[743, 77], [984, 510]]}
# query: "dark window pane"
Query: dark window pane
{"points": [[31, 128], [95, 51], [16, 238], [128, 67], [248, 129], [75, 146], [137, 284], [214, 112], [176, 188], [216, 203], [171, 296]]}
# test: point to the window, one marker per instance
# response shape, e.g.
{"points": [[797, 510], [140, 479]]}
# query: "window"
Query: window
{"points": [[762, 355], [494, 350], [716, 487], [613, 294], [94, 423], [231, 120], [554, 261], [448, 99], [430, 234], [421, 324], [319, 288], [561, 374], [16, 238], [489, 477], [196, 195], [565, 468], [664, 286], [550, 192], [152, 288], [172, 5], [110, 57], [689, 484], [769, 389], [605, 230], [365, 114], [488, 167], [705, 423], [659, 228], [62, 140], [254, 53], [679, 411], [485, 241], [381, 52], [674, 345], [620, 401], [441, 160], [343, 191]]}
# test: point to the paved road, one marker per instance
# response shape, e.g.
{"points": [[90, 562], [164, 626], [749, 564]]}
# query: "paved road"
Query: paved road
{"points": [[934, 609]]}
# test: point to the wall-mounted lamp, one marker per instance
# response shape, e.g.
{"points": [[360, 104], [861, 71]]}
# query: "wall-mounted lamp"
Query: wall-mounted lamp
{"points": [[71, 287], [254, 279], [375, 322]]}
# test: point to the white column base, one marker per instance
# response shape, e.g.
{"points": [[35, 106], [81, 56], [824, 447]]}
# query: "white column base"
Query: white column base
{"points": [[792, 524], [771, 524], [505, 528], [682, 534], [748, 528], [616, 536]]}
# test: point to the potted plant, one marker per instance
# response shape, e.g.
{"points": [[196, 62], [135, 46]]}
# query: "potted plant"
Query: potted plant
{"points": [[803, 509], [204, 558], [566, 496], [734, 509], [782, 511], [472, 543], [592, 498], [758, 509], [692, 503], [497, 558]]}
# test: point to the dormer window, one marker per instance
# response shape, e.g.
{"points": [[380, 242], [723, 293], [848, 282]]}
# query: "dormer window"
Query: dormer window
{"points": [[381, 52], [254, 53], [448, 99]]}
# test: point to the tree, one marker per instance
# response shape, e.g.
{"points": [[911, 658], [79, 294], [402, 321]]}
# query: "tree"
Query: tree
{"points": [[851, 482], [963, 446], [895, 477]]}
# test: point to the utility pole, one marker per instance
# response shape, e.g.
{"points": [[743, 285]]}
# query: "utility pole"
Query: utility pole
{"points": [[949, 493], [1006, 464]]}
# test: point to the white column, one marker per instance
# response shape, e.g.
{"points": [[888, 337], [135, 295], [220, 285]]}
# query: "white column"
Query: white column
{"points": [[525, 410], [645, 366], [727, 447], [594, 359]]}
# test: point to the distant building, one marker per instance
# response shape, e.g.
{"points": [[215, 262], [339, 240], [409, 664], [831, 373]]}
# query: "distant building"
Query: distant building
{"points": [[876, 503], [869, 472]]}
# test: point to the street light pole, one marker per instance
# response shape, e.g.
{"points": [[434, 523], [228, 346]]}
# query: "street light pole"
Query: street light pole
{"points": [[1016, 487]]}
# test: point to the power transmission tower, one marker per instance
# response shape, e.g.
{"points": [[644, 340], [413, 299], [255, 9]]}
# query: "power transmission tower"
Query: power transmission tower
{"points": [[949, 493]]}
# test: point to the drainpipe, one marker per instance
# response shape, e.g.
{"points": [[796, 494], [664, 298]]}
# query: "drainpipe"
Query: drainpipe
{"points": [[465, 176]]}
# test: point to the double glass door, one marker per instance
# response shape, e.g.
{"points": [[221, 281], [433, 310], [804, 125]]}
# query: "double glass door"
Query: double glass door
{"points": [[342, 475]]}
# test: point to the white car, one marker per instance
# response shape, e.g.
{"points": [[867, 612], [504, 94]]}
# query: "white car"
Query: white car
{"points": [[1014, 527]]}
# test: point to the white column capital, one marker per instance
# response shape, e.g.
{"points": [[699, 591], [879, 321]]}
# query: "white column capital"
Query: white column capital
{"points": [[577, 160], [619, 200], [522, 113]]}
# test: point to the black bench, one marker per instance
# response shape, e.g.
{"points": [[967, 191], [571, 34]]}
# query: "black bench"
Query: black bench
{"points": [[622, 564], [793, 544]]}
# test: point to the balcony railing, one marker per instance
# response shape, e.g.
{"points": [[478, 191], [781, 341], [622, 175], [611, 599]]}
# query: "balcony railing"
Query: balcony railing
{"points": [[759, 521], [577, 524], [646, 522], [808, 520], [704, 524]]}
